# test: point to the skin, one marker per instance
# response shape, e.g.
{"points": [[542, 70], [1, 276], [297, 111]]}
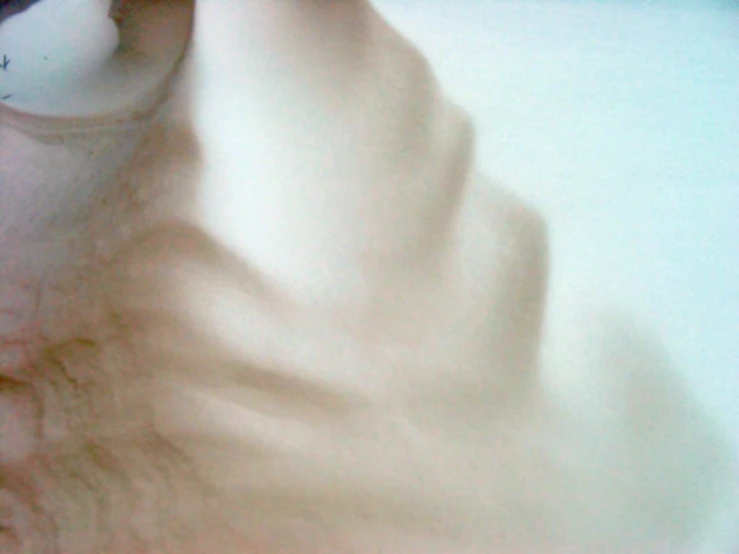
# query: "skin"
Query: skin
{"points": [[59, 193], [187, 387]]}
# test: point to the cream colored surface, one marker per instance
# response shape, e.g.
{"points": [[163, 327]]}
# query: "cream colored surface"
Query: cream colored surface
{"points": [[323, 332]]}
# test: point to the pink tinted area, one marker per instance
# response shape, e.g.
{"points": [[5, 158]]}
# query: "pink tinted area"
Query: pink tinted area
{"points": [[19, 329], [19, 338]]}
